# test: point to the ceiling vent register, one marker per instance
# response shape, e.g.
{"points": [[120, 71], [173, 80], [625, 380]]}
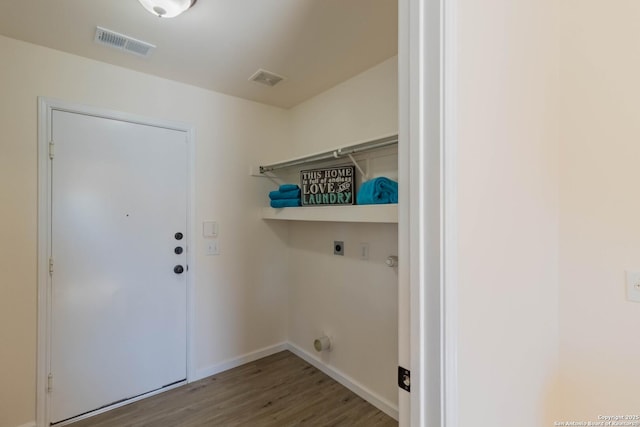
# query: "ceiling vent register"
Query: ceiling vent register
{"points": [[266, 77], [122, 42]]}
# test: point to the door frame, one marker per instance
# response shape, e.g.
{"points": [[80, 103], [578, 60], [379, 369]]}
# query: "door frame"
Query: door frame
{"points": [[428, 315], [46, 106]]}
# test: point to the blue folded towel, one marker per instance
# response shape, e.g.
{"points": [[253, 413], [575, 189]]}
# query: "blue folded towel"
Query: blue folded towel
{"points": [[289, 194], [378, 191], [288, 187], [285, 203]]}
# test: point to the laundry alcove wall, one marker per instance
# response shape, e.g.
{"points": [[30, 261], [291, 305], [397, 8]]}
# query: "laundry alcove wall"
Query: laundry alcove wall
{"points": [[354, 301]]}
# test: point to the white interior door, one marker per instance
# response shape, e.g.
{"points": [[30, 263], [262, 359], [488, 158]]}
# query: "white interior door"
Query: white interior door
{"points": [[118, 323]]}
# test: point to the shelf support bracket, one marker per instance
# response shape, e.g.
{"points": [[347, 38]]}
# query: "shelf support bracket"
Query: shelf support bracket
{"points": [[364, 174]]}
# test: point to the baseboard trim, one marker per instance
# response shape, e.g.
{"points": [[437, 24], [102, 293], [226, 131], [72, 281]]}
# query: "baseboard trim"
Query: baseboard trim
{"points": [[30, 424], [238, 361], [379, 402]]}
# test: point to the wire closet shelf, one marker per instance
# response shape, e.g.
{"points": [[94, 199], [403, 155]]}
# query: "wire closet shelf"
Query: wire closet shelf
{"points": [[347, 151]]}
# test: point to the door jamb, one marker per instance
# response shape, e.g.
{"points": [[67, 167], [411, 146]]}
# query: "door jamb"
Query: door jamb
{"points": [[428, 123], [46, 106]]}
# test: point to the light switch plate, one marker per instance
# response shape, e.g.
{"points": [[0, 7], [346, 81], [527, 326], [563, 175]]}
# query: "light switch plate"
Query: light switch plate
{"points": [[633, 286], [210, 229]]}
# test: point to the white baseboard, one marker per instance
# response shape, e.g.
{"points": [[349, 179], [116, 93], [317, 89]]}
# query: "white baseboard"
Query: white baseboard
{"points": [[238, 361], [30, 424], [379, 402]]}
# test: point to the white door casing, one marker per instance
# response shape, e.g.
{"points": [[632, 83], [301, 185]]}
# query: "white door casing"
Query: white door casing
{"points": [[427, 215], [113, 316]]}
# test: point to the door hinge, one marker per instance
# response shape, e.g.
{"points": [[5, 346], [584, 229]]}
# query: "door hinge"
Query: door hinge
{"points": [[51, 266], [52, 148], [404, 379], [50, 383]]}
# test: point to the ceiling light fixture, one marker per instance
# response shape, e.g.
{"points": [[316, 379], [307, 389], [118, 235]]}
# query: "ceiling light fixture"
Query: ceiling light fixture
{"points": [[167, 8]]}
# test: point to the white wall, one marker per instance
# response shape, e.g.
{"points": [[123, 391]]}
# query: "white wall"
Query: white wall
{"points": [[353, 301], [507, 207], [363, 107], [547, 180], [599, 227], [240, 295]]}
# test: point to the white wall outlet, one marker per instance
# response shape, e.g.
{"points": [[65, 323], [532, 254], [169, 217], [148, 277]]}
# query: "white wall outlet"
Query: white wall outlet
{"points": [[364, 251], [212, 247], [633, 286]]}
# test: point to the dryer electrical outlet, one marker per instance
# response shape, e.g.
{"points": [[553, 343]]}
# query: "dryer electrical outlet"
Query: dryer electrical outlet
{"points": [[338, 247]]}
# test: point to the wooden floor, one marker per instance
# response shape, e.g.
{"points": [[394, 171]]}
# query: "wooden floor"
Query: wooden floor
{"points": [[279, 390]]}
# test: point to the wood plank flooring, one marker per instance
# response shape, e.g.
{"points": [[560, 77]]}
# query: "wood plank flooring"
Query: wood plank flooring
{"points": [[277, 391]]}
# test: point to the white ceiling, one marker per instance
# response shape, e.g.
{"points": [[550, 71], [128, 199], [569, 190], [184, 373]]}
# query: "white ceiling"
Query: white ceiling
{"points": [[219, 44]]}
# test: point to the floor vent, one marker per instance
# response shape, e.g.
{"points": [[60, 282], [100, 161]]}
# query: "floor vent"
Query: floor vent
{"points": [[122, 42], [266, 77]]}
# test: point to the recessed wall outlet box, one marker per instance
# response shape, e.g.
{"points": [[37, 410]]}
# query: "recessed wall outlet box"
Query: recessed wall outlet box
{"points": [[364, 251], [633, 286], [212, 248], [338, 247], [254, 170], [210, 229]]}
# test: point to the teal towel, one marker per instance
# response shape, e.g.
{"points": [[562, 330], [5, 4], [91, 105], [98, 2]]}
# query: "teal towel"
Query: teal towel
{"points": [[288, 187], [285, 203], [289, 194], [378, 191]]}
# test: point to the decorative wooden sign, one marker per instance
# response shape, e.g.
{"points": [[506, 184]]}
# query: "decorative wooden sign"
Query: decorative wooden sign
{"points": [[328, 186]]}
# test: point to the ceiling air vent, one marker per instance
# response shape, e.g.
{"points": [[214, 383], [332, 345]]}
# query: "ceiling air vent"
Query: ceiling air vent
{"points": [[122, 42], [266, 77]]}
